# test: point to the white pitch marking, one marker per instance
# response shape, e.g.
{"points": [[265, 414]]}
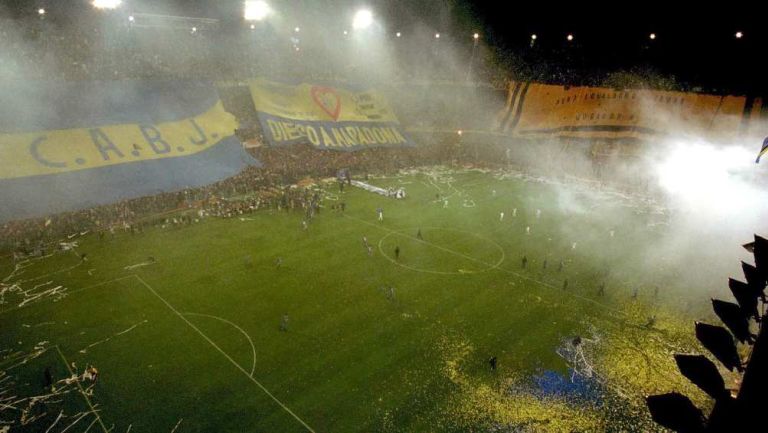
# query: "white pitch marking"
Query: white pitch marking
{"points": [[248, 337], [232, 361], [82, 391], [177, 425]]}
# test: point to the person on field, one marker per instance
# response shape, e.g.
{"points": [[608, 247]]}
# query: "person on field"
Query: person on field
{"points": [[48, 378]]}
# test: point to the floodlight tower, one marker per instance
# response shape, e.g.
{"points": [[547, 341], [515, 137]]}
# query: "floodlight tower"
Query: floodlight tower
{"points": [[475, 40]]}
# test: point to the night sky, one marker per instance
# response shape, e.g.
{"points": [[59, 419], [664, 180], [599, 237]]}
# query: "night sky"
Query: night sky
{"points": [[695, 44]]}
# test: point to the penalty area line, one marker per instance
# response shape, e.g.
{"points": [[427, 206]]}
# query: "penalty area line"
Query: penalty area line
{"points": [[82, 391], [232, 361]]}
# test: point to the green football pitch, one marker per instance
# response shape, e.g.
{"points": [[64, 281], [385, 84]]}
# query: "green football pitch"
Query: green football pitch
{"points": [[192, 341]]}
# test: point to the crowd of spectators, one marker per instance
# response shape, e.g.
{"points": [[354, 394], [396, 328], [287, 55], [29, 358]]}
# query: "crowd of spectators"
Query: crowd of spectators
{"points": [[283, 183]]}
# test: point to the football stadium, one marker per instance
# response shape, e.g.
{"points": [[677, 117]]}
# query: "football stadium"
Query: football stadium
{"points": [[393, 216]]}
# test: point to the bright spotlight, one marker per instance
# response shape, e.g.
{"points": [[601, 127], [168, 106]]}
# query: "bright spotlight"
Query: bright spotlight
{"points": [[533, 37], [106, 4], [296, 29], [363, 19], [346, 32], [194, 29], [569, 37], [131, 18], [253, 26], [652, 36], [41, 11], [476, 36], [708, 178], [398, 34], [256, 10], [437, 35], [739, 35]]}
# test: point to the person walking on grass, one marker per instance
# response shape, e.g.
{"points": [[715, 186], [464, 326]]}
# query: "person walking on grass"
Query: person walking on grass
{"points": [[418, 235], [284, 323], [397, 252]]}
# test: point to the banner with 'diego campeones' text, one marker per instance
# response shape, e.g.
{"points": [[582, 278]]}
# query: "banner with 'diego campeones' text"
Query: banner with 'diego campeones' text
{"points": [[325, 117]]}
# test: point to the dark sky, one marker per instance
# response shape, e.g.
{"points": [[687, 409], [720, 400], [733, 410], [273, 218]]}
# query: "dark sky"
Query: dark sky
{"points": [[694, 42]]}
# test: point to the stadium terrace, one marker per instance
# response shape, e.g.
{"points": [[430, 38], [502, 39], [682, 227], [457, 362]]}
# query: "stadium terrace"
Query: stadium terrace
{"points": [[258, 216]]}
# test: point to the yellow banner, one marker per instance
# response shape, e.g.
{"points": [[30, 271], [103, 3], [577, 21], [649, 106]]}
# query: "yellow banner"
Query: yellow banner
{"points": [[319, 103], [540, 110], [58, 151]]}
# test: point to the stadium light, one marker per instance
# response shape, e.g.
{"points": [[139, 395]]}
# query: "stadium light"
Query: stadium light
{"points": [[362, 20], [253, 26], [194, 29], [739, 35], [437, 35], [534, 37], [41, 11], [131, 18], [652, 36], [569, 37], [346, 32], [256, 10], [476, 36], [296, 29], [106, 4], [398, 34]]}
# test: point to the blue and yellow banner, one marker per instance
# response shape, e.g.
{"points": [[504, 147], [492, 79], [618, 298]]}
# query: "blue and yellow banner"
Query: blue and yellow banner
{"points": [[65, 146], [58, 151], [325, 117]]}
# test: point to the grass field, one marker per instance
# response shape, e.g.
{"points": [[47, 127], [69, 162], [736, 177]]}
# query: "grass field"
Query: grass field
{"points": [[192, 342]]}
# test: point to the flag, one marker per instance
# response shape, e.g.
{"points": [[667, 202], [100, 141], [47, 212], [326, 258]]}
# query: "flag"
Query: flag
{"points": [[763, 151]]}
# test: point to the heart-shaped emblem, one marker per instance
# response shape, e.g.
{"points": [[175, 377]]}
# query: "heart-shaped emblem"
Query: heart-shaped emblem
{"points": [[328, 100]]}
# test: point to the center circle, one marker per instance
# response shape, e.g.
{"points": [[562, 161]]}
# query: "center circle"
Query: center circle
{"points": [[485, 265]]}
